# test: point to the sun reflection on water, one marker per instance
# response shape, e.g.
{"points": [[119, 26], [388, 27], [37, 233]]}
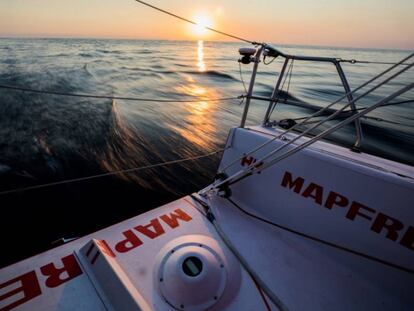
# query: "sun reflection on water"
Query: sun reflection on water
{"points": [[200, 56], [199, 122]]}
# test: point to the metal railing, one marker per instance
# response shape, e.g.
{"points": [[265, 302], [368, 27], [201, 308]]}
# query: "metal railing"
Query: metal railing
{"points": [[276, 155], [272, 52]]}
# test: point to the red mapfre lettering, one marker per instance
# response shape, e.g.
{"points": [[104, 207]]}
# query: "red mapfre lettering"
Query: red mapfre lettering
{"points": [[247, 161], [156, 231], [296, 184], [336, 199], [314, 191], [355, 210], [58, 276], [104, 247], [408, 238], [131, 242], [30, 289], [172, 219], [383, 224], [386, 222]]}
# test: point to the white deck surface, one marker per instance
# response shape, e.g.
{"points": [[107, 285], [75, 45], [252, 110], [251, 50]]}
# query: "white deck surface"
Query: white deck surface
{"points": [[304, 274], [138, 265], [307, 275]]}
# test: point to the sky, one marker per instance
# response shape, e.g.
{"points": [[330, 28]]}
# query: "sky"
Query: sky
{"points": [[347, 23]]}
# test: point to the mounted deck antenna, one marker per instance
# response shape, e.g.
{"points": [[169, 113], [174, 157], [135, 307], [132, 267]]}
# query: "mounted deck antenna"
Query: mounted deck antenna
{"points": [[247, 54]]}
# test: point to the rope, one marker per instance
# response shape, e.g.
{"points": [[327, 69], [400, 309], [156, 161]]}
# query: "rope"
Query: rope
{"points": [[209, 214], [16, 88], [125, 171], [275, 299], [268, 63], [262, 294], [194, 23], [304, 235]]}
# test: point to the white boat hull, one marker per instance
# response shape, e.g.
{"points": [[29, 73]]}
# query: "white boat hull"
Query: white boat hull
{"points": [[325, 229]]}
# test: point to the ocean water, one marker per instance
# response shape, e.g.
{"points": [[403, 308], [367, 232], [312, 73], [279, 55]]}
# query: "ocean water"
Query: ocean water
{"points": [[47, 138]]}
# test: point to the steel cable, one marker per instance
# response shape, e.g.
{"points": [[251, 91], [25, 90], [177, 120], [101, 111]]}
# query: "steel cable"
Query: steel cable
{"points": [[194, 23], [318, 113], [23, 89], [125, 171]]}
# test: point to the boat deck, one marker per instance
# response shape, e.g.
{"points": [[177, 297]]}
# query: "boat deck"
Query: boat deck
{"points": [[308, 275], [303, 273], [299, 226], [103, 270]]}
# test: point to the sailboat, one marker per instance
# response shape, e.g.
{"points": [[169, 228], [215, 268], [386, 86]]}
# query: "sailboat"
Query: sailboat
{"points": [[291, 222]]}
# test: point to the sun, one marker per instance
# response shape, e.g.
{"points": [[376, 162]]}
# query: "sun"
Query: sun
{"points": [[202, 21]]}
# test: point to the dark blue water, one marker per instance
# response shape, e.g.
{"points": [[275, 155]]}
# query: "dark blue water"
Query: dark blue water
{"points": [[46, 138]]}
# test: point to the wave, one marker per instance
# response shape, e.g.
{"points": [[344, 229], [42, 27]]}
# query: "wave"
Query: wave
{"points": [[212, 73], [181, 65], [58, 55], [85, 55], [324, 93], [146, 51], [9, 61], [110, 52], [146, 70], [85, 67], [4, 169], [42, 136]]}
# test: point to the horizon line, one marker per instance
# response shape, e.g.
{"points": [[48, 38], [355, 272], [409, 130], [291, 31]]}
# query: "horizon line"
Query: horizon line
{"points": [[76, 37]]}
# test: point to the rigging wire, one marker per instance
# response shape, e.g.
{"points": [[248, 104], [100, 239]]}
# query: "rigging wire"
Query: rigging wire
{"points": [[23, 89], [112, 173], [241, 78], [359, 109], [290, 77], [289, 72], [169, 100], [352, 61], [261, 165], [317, 113], [286, 101], [355, 61], [365, 117], [194, 23]]}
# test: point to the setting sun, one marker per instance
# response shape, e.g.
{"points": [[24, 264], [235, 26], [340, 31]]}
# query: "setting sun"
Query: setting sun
{"points": [[202, 21]]}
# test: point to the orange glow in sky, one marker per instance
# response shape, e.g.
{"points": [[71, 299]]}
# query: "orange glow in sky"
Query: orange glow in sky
{"points": [[351, 23]]}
